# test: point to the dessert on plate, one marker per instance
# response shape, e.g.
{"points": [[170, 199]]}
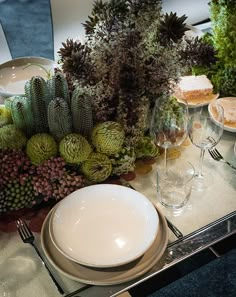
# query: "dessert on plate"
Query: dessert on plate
{"points": [[195, 89]]}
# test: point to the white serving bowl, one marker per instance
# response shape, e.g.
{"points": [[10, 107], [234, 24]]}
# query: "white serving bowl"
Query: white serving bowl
{"points": [[104, 225], [15, 73]]}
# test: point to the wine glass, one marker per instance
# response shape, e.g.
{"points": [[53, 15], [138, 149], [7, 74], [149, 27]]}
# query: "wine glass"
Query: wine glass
{"points": [[205, 133], [169, 123]]}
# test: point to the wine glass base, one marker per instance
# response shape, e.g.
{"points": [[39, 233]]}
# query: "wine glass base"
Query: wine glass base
{"points": [[202, 182]]}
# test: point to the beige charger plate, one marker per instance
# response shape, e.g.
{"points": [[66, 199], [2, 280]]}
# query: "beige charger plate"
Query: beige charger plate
{"points": [[105, 276]]}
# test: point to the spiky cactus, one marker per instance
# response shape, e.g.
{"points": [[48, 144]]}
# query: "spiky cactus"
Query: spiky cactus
{"points": [[97, 168], [108, 137], [74, 148], [59, 118], [5, 116], [41, 147], [81, 107], [21, 112], [12, 137], [58, 87], [37, 92]]}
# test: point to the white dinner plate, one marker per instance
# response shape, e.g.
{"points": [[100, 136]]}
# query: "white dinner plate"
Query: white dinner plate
{"points": [[15, 73], [106, 276], [104, 225], [227, 126]]}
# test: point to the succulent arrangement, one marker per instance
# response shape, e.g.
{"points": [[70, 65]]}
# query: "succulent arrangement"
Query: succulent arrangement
{"points": [[89, 121]]}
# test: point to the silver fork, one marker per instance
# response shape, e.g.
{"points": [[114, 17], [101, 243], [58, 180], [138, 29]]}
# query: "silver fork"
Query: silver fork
{"points": [[218, 157], [28, 237]]}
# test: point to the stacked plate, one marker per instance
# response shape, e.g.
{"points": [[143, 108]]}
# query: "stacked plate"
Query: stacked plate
{"points": [[104, 234]]}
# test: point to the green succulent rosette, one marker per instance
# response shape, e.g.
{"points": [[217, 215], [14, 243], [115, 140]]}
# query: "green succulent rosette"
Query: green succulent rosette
{"points": [[41, 147], [11, 137], [74, 148], [108, 137], [146, 148], [97, 168]]}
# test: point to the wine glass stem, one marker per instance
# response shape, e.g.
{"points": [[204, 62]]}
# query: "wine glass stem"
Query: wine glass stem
{"points": [[165, 159], [200, 174]]}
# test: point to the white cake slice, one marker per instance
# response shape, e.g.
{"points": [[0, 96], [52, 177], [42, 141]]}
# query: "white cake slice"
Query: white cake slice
{"points": [[193, 88]]}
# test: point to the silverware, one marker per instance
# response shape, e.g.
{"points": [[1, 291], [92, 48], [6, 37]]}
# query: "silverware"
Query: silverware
{"points": [[28, 237], [218, 157], [174, 229]]}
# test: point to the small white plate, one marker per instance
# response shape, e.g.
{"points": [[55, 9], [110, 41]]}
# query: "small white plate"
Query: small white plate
{"points": [[104, 225], [227, 126], [201, 101], [15, 73]]}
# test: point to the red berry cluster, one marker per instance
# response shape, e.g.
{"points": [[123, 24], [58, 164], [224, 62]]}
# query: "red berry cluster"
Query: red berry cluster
{"points": [[14, 164], [51, 180]]}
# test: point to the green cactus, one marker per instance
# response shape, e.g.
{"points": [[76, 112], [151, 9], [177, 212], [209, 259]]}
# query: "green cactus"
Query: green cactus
{"points": [[58, 87], [108, 137], [146, 148], [81, 108], [21, 112], [38, 93], [124, 161], [5, 116], [41, 147], [97, 168], [59, 118], [12, 137], [74, 148]]}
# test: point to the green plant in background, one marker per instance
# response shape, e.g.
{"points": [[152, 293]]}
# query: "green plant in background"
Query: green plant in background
{"points": [[59, 118], [223, 38]]}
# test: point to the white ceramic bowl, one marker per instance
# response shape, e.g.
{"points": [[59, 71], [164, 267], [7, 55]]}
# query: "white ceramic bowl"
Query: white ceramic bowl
{"points": [[104, 225], [15, 73]]}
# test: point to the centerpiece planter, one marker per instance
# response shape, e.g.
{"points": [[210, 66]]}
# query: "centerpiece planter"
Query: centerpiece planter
{"points": [[89, 122]]}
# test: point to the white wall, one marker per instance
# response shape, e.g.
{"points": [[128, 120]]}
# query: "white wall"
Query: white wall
{"points": [[196, 11]]}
